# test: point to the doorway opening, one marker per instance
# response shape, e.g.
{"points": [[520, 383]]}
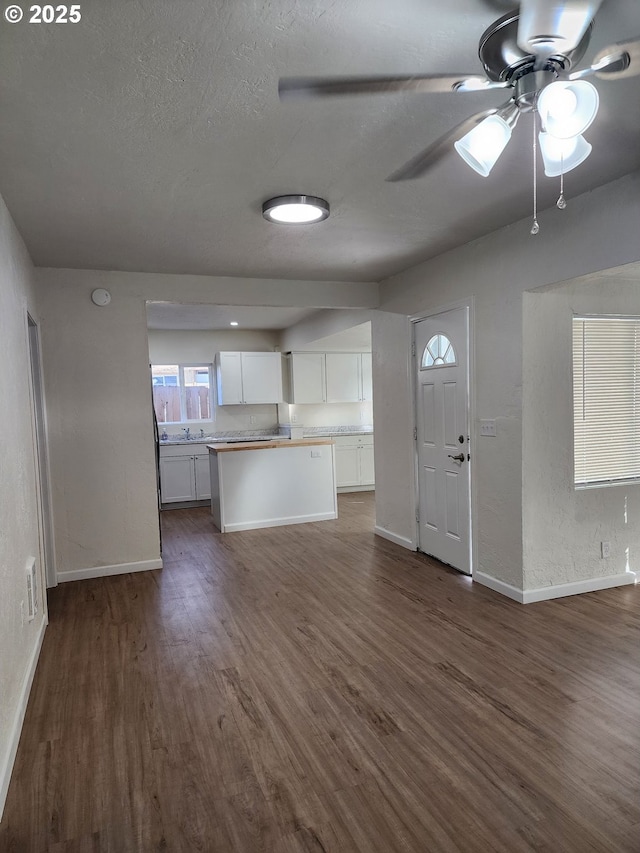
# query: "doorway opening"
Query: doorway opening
{"points": [[43, 486]]}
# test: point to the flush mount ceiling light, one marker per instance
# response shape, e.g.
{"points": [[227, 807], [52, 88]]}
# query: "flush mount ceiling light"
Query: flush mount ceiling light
{"points": [[233, 322], [533, 54], [295, 209]]}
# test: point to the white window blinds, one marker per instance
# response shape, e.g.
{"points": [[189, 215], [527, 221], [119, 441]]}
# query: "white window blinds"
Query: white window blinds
{"points": [[606, 399]]}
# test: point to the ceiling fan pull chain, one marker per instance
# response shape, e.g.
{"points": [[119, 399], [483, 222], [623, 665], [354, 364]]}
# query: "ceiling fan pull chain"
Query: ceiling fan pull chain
{"points": [[562, 202], [535, 227]]}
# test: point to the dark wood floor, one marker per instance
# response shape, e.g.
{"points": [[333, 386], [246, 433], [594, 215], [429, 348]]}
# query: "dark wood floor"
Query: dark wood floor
{"points": [[315, 688]]}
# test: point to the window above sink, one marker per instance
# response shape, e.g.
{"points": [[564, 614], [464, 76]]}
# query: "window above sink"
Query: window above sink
{"points": [[182, 392]]}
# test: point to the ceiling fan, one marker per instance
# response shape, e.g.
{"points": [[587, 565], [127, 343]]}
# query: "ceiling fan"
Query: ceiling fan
{"points": [[531, 52]]}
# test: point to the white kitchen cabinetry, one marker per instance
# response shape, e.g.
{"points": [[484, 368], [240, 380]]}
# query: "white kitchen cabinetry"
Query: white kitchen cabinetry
{"points": [[245, 378], [307, 382], [333, 377], [367, 377], [184, 473], [354, 462], [344, 377]]}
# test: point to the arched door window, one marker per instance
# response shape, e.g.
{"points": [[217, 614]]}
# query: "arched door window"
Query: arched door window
{"points": [[439, 352]]}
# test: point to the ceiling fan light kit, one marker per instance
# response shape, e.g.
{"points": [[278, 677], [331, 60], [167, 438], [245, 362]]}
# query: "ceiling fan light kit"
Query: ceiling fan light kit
{"points": [[532, 51], [483, 145], [562, 155], [295, 209], [567, 108]]}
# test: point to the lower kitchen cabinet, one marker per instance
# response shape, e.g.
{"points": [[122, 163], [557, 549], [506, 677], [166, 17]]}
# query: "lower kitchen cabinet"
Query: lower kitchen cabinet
{"points": [[354, 462], [184, 477]]}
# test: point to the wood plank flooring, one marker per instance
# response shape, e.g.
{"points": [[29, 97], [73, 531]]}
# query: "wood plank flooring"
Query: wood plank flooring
{"points": [[316, 689]]}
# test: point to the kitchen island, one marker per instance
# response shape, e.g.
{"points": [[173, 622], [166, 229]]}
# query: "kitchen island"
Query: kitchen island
{"points": [[270, 483]]}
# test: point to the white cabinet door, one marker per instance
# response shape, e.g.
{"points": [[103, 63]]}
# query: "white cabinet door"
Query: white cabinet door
{"points": [[307, 373], [177, 480], [347, 466], [229, 378], [343, 377], [202, 476], [367, 378], [261, 377], [367, 473]]}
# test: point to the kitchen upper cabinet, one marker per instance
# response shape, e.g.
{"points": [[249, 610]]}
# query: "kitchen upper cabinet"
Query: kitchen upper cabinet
{"points": [[332, 377], [307, 377], [245, 378], [343, 377], [367, 376]]}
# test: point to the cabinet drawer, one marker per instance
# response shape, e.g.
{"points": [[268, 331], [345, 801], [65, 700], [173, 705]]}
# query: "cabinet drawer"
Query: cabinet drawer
{"points": [[353, 440], [189, 449]]}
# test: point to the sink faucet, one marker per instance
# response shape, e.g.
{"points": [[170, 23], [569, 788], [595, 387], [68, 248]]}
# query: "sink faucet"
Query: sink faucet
{"points": [[201, 433], [187, 433]]}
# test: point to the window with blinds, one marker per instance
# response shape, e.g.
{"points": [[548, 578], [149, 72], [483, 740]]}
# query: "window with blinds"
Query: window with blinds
{"points": [[606, 399]]}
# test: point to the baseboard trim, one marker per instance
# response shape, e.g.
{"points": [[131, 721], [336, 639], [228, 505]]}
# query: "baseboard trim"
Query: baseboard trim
{"points": [[345, 490], [393, 537], [499, 586], [561, 590], [105, 571], [546, 593], [277, 522], [16, 728]]}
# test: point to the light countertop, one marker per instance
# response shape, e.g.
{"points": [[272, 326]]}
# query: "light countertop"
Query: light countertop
{"points": [[268, 445]]}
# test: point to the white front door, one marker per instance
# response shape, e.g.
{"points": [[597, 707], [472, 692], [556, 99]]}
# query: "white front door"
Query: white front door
{"points": [[442, 435]]}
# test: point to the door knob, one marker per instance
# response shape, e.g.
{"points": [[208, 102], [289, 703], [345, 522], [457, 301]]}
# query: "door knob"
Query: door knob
{"points": [[458, 458]]}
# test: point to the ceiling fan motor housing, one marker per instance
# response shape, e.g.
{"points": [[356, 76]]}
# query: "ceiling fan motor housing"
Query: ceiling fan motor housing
{"points": [[505, 62]]}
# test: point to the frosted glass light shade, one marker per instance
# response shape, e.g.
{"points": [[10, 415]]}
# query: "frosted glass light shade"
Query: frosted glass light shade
{"points": [[567, 108], [555, 26], [562, 155], [483, 145]]}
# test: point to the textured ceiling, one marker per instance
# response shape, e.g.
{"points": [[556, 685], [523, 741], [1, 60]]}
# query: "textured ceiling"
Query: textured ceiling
{"points": [[146, 137]]}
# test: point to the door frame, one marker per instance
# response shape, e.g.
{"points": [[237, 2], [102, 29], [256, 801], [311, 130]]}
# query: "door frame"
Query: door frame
{"points": [[40, 432], [471, 374]]}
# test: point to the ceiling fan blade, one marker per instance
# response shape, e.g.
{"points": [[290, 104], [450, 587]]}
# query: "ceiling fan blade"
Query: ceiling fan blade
{"points": [[421, 163], [619, 60], [314, 87], [548, 27]]}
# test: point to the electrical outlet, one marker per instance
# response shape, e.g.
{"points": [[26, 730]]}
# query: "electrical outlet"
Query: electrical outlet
{"points": [[488, 428], [252, 419], [294, 419], [605, 550]]}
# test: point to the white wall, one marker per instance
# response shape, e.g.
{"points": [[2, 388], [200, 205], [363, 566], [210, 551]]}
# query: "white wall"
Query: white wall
{"points": [[393, 415], [322, 324], [173, 346], [563, 527], [331, 414], [97, 375], [597, 230], [19, 536]]}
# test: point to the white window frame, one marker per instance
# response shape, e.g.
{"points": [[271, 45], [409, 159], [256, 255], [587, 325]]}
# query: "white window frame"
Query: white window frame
{"points": [[183, 396], [606, 370], [437, 364]]}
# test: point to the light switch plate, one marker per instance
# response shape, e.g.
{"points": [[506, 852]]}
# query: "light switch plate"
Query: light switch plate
{"points": [[488, 428]]}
